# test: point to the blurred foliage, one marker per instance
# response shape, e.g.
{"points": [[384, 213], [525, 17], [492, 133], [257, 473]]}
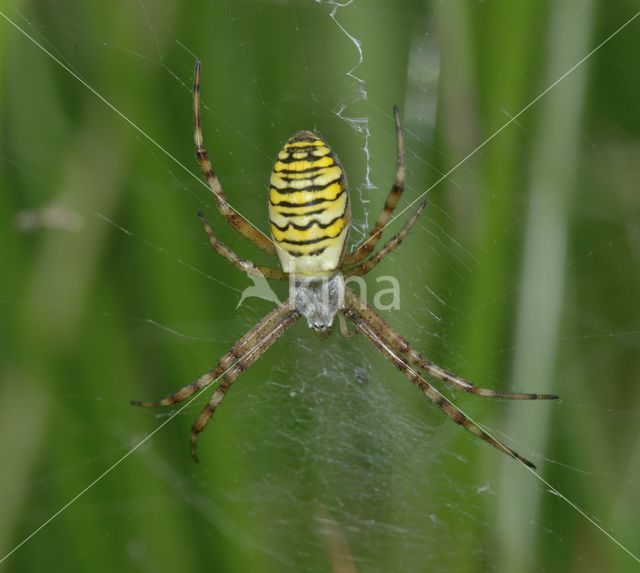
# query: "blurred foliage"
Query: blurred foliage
{"points": [[524, 273]]}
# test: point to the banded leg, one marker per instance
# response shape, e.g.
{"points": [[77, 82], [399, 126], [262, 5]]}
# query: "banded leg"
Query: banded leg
{"points": [[402, 348], [238, 348], [365, 248], [436, 397], [245, 266], [236, 220], [285, 318], [364, 267], [244, 353]]}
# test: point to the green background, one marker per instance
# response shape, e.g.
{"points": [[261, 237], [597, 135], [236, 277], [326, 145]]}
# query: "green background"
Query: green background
{"points": [[523, 274]]}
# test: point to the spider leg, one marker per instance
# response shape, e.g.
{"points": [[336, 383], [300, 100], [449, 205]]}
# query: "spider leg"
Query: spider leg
{"points": [[225, 362], [245, 266], [402, 347], [436, 397], [285, 319], [365, 248], [364, 267], [238, 222], [241, 355]]}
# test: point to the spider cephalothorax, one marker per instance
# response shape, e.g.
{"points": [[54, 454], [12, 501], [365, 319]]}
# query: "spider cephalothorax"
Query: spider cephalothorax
{"points": [[309, 216], [318, 299]]}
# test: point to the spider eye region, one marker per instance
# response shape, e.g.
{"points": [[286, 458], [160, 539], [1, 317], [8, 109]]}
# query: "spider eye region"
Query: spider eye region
{"points": [[318, 299], [308, 205]]}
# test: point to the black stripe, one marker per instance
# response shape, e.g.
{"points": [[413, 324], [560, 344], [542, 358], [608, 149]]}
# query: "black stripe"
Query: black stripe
{"points": [[306, 148], [301, 140], [306, 214], [309, 155], [310, 253], [307, 189], [311, 241], [286, 173], [308, 203], [308, 225]]}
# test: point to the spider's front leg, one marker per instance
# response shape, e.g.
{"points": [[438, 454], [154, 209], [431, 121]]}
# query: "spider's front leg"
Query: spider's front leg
{"points": [[436, 397], [401, 347], [395, 349], [240, 357]]}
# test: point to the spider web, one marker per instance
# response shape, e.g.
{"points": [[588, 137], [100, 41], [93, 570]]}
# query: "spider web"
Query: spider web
{"points": [[521, 275]]}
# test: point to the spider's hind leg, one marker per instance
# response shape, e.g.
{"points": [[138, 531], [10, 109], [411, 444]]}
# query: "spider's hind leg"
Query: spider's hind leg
{"points": [[366, 247], [245, 266], [237, 221], [363, 267]]}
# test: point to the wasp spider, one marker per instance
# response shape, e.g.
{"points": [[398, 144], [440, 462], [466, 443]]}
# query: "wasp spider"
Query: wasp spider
{"points": [[309, 215]]}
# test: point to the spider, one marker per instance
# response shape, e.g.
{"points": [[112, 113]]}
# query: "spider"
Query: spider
{"points": [[309, 214]]}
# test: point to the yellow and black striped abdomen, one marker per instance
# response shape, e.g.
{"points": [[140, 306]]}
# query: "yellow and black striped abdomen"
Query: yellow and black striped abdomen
{"points": [[308, 206]]}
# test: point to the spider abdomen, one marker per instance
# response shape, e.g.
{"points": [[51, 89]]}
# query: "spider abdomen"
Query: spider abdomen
{"points": [[308, 206]]}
